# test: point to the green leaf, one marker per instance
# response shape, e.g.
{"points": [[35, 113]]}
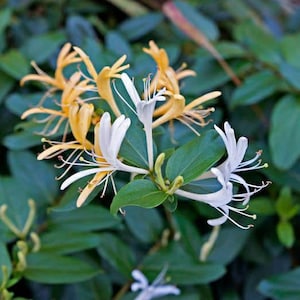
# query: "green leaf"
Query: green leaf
{"points": [[285, 233], [201, 22], [195, 157], [117, 253], [182, 268], [283, 286], [288, 44], [6, 84], [5, 16], [291, 74], [113, 38], [259, 41], [38, 176], [98, 286], [68, 200], [84, 219], [140, 192], [285, 130], [4, 263], [255, 88], [285, 206], [40, 47], [229, 243], [14, 64], [136, 27], [17, 103], [149, 222], [15, 195], [54, 269], [24, 137], [190, 237], [262, 206], [78, 29], [133, 148], [56, 242]]}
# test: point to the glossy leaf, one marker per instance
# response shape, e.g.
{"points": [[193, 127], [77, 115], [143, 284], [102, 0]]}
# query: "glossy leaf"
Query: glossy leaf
{"points": [[27, 169], [285, 206], [140, 192], [195, 157], [285, 130], [255, 88], [133, 148], [229, 243], [149, 221], [114, 38], [6, 84], [137, 27], [84, 219], [41, 47], [14, 64], [55, 241], [200, 21], [282, 286], [117, 253], [15, 195], [291, 74], [184, 271], [54, 269], [285, 233]]}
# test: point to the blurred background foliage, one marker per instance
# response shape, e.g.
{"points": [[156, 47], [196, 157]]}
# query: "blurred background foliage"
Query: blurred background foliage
{"points": [[249, 50]]}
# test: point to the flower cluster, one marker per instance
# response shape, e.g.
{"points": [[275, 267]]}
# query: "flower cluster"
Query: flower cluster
{"points": [[95, 115]]}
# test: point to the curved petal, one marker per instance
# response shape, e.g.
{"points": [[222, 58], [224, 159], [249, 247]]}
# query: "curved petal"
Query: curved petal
{"points": [[130, 88], [89, 188], [142, 281], [82, 174]]}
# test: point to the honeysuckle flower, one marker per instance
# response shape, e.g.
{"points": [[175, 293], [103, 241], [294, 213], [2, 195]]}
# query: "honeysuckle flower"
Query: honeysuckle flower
{"points": [[72, 91], [175, 106], [166, 76], [104, 77], [65, 58], [105, 161], [236, 150], [80, 118], [155, 290], [144, 109], [227, 177]]}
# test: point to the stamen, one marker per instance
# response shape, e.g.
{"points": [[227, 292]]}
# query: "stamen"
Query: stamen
{"points": [[232, 220]]}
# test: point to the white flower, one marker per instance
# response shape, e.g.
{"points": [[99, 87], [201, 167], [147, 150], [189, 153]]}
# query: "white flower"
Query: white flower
{"points": [[110, 140], [234, 163], [155, 290], [226, 176], [144, 109]]}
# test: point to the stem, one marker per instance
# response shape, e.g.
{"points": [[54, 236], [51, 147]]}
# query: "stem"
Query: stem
{"points": [[171, 11]]}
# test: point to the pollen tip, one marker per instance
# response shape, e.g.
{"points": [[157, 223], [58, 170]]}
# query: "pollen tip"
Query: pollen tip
{"points": [[81, 158], [266, 165]]}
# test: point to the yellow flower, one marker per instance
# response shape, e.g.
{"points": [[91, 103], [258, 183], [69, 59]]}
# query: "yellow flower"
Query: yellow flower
{"points": [[72, 91], [65, 58], [175, 107], [108, 139], [80, 119], [104, 77]]}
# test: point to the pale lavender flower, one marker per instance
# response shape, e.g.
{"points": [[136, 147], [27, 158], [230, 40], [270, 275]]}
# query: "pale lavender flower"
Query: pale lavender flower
{"points": [[155, 290]]}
